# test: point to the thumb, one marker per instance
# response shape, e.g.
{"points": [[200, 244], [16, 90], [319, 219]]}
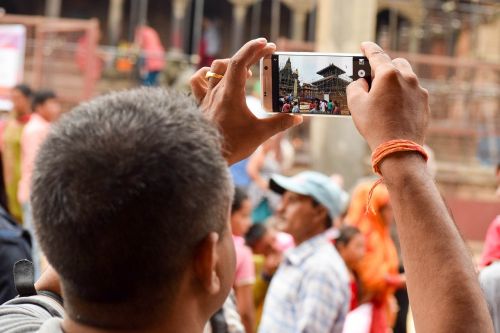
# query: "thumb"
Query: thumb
{"points": [[356, 90], [273, 125]]}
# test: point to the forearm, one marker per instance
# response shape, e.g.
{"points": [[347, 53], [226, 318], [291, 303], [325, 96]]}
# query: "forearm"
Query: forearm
{"points": [[437, 263], [254, 165], [247, 320], [244, 300]]}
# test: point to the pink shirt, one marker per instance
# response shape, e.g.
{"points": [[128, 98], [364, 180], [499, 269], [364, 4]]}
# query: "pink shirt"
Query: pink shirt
{"points": [[245, 269], [491, 250], [150, 43], [284, 241], [34, 133]]}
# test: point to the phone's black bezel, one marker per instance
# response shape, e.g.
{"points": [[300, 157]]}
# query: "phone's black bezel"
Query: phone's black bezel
{"points": [[366, 67], [275, 81]]}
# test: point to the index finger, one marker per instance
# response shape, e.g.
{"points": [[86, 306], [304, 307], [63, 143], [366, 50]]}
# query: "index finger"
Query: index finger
{"points": [[246, 56], [219, 66], [376, 55], [199, 84]]}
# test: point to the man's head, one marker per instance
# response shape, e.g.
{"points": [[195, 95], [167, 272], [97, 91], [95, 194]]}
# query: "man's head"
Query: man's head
{"points": [[21, 95], [131, 199], [351, 245], [261, 239], [310, 203], [241, 212], [45, 103]]}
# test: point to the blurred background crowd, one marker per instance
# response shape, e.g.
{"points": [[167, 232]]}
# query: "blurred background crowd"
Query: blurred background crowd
{"points": [[57, 53]]}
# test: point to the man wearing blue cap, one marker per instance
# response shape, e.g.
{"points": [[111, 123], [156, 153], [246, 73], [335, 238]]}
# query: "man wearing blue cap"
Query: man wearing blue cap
{"points": [[310, 290]]}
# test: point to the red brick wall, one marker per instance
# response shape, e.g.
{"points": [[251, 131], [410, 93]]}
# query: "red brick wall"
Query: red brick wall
{"points": [[473, 217]]}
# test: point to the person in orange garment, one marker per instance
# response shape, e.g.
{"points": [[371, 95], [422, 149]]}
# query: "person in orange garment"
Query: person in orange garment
{"points": [[378, 270]]}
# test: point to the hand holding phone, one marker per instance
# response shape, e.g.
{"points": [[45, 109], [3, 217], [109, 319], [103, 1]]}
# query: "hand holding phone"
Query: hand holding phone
{"points": [[310, 83], [223, 102], [395, 106]]}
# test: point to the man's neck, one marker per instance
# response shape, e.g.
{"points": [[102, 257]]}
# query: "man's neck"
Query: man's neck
{"points": [[179, 321], [22, 117], [70, 326], [304, 238], [21, 112], [43, 116], [181, 314]]}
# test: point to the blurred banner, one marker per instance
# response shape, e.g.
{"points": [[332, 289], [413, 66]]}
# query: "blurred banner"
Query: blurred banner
{"points": [[12, 47]]}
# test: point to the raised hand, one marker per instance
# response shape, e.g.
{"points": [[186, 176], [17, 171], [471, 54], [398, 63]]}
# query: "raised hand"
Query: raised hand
{"points": [[223, 102], [396, 107]]}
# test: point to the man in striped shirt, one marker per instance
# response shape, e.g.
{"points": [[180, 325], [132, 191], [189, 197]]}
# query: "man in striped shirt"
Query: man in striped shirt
{"points": [[310, 290]]}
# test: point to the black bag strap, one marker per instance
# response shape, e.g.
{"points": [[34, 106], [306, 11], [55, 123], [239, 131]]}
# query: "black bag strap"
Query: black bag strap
{"points": [[218, 322], [24, 278]]}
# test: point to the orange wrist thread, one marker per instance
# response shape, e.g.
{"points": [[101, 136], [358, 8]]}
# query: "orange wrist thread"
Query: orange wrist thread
{"points": [[386, 149]]}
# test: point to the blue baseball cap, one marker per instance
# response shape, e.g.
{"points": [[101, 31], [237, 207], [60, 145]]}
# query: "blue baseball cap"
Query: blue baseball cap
{"points": [[316, 185]]}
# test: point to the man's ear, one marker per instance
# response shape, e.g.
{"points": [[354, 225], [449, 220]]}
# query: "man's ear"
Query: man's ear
{"points": [[321, 215], [205, 263]]}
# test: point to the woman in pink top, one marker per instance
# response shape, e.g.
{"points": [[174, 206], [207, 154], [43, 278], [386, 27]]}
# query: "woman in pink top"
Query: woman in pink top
{"points": [[491, 251], [152, 54], [46, 109], [241, 211]]}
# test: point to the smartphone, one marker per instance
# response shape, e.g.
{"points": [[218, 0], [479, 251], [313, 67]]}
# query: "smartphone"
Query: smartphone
{"points": [[310, 83]]}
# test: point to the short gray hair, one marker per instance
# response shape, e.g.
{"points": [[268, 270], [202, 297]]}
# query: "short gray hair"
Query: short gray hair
{"points": [[125, 187]]}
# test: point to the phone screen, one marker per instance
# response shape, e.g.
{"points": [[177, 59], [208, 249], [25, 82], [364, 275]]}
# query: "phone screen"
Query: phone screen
{"points": [[315, 83]]}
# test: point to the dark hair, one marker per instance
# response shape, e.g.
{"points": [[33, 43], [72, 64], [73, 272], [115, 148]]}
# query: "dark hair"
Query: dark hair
{"points": [[240, 195], [40, 97], [24, 89], [124, 189], [255, 233], [346, 234]]}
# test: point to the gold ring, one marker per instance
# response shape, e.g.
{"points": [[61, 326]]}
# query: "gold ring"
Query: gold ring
{"points": [[214, 75]]}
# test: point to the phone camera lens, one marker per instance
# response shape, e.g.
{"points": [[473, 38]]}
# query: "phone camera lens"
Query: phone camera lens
{"points": [[361, 73], [266, 68]]}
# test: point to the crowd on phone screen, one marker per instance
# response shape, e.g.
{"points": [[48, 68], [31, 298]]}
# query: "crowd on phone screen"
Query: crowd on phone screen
{"points": [[333, 261], [288, 104]]}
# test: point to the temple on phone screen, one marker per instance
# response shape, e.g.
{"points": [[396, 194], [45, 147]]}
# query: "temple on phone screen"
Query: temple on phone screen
{"points": [[316, 84]]}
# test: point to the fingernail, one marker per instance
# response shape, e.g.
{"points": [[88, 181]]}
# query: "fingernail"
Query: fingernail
{"points": [[261, 40], [271, 44]]}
